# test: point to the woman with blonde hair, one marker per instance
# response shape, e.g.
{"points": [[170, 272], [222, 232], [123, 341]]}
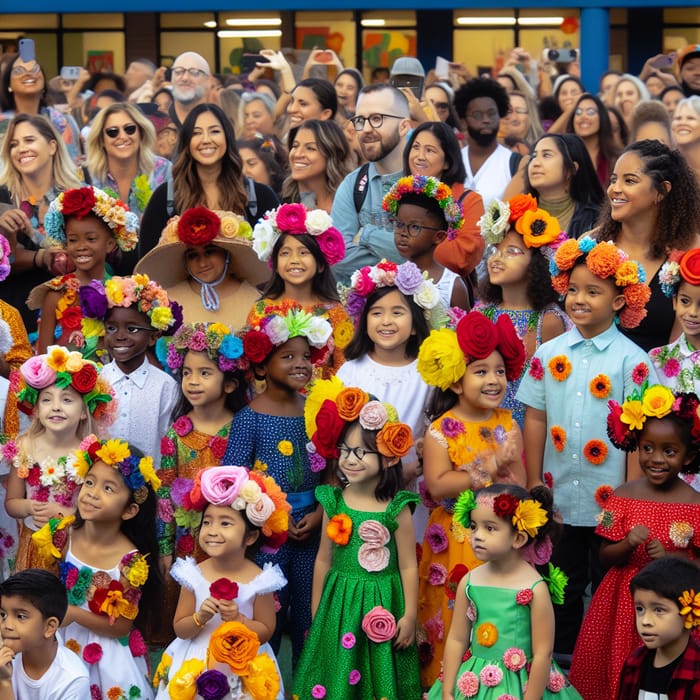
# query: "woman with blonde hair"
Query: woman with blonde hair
{"points": [[686, 132]]}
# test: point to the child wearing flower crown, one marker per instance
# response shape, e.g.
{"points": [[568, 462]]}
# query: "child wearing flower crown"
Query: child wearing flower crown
{"points": [[66, 399], [470, 443], [301, 246], [668, 665], [503, 614], [365, 583], [641, 520], [566, 389], [103, 554], [521, 239], [90, 225], [423, 214], [269, 436], [227, 600]]}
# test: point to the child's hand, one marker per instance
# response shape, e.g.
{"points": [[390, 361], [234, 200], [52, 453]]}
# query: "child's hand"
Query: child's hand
{"points": [[655, 549], [638, 535], [6, 656], [405, 633], [507, 451], [305, 527], [228, 609], [208, 609]]}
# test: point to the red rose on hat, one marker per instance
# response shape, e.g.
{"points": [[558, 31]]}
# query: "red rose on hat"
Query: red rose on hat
{"points": [[198, 226]]}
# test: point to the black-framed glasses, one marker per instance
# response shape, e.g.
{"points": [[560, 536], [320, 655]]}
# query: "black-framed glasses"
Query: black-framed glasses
{"points": [[359, 452], [375, 120], [130, 329], [413, 230], [193, 72], [113, 131], [479, 114]]}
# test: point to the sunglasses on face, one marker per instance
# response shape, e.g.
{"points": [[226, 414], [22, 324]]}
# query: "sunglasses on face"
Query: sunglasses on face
{"points": [[113, 131]]}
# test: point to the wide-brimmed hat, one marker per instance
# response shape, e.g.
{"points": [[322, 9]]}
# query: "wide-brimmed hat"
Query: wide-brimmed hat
{"points": [[166, 262]]}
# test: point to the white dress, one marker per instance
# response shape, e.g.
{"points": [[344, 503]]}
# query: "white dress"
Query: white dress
{"points": [[112, 663], [189, 575]]}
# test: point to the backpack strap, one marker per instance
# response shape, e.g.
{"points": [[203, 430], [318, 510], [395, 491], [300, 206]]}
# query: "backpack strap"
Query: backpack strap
{"points": [[170, 198], [359, 193], [252, 200]]}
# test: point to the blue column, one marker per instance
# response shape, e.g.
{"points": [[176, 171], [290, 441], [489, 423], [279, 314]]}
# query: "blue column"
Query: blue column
{"points": [[595, 45]]}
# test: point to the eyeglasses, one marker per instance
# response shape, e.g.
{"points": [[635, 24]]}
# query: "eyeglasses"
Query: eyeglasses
{"points": [[131, 330], [441, 106], [193, 72], [589, 111], [510, 251], [21, 70], [413, 230], [359, 452], [375, 120], [113, 131], [479, 114]]}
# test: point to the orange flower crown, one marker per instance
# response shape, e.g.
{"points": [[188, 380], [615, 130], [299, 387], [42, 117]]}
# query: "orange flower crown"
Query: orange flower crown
{"points": [[330, 406], [690, 608], [606, 261]]}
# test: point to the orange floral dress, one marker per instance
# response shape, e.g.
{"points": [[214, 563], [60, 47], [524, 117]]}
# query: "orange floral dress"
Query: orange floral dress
{"points": [[446, 553]]}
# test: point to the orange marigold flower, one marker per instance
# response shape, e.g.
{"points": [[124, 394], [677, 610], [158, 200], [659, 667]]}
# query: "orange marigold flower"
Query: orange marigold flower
{"points": [[487, 634], [558, 437], [560, 367], [600, 386], [73, 645], [340, 528], [637, 295], [602, 494], [603, 260], [567, 254], [114, 693], [538, 228], [627, 274], [595, 451], [560, 283]]}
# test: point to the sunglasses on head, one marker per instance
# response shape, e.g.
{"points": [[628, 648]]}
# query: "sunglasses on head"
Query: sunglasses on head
{"points": [[113, 131]]}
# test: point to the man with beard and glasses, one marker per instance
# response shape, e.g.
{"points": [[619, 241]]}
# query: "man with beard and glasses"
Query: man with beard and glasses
{"points": [[190, 80], [481, 103], [382, 123]]}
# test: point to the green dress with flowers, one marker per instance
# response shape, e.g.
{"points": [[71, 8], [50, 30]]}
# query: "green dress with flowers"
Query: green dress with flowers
{"points": [[362, 591], [498, 659]]}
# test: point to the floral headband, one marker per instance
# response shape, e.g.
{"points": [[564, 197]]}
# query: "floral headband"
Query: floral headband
{"points": [[138, 473], [64, 369], [407, 278], [430, 187], [443, 356], [277, 328], [655, 401], [91, 200], [604, 260], [295, 220], [536, 226], [679, 266], [199, 226], [690, 608], [218, 341], [330, 406]]}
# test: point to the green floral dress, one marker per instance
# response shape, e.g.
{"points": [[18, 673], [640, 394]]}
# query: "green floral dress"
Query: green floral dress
{"points": [[361, 601]]}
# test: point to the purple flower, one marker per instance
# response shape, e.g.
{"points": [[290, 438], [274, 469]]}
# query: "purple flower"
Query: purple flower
{"points": [[436, 538], [176, 311], [174, 358], [318, 691], [408, 278], [437, 574], [499, 434], [212, 685], [226, 365], [93, 300], [355, 304], [354, 677], [451, 427], [179, 489], [348, 640], [316, 462]]}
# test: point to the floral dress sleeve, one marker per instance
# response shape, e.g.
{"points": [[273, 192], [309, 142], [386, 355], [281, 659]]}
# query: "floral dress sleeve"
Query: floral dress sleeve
{"points": [[329, 498], [400, 501]]}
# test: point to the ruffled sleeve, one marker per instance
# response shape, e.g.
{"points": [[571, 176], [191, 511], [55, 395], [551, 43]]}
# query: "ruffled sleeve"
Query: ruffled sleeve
{"points": [[269, 580], [611, 520], [400, 501], [186, 573], [329, 498]]}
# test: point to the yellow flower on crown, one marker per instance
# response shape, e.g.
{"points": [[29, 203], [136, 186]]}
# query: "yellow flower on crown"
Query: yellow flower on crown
{"points": [[113, 452], [82, 466], [148, 472], [633, 414], [114, 292], [657, 401], [529, 517], [74, 362], [219, 328], [56, 358]]}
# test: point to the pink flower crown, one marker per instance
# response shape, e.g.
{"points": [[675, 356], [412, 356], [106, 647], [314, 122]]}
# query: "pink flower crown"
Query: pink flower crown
{"points": [[295, 219]]}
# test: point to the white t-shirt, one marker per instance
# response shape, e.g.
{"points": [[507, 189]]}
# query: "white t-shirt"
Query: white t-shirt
{"points": [[492, 178], [66, 679]]}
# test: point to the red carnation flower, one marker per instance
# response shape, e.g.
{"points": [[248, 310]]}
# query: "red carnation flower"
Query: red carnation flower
{"points": [[198, 226], [217, 445], [185, 545], [504, 505], [78, 203]]}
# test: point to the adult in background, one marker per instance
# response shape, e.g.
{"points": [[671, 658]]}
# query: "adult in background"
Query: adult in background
{"points": [[686, 132], [137, 80], [689, 69], [190, 79], [382, 123]]}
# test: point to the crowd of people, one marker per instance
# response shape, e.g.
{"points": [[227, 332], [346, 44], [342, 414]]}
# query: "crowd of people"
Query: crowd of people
{"points": [[405, 371]]}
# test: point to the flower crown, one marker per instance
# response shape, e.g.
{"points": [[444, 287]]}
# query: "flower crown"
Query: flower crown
{"points": [[656, 401], [604, 260], [430, 187], [536, 226], [199, 226], [5, 258], [330, 406], [149, 298], [91, 200], [407, 278], [258, 494], [680, 265], [64, 369], [277, 328], [138, 473], [443, 356], [690, 608], [221, 345], [295, 220], [527, 514]]}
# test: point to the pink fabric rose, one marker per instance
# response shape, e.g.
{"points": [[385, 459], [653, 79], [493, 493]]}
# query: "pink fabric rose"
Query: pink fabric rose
{"points": [[373, 558], [468, 684], [361, 282], [137, 646], [491, 675], [354, 677], [373, 533], [332, 245], [167, 446], [379, 624], [37, 373], [318, 691], [221, 486], [556, 681], [437, 574], [514, 659], [524, 596], [291, 218], [260, 511], [373, 415], [183, 426], [348, 640]]}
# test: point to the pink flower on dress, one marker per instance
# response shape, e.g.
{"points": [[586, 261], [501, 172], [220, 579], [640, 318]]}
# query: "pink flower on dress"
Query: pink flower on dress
{"points": [[640, 373], [182, 426], [137, 645], [373, 558], [468, 684], [167, 446], [9, 450], [95, 692], [556, 681], [471, 611], [524, 596], [506, 697], [451, 427], [436, 537], [92, 653], [373, 533], [491, 675], [348, 640], [434, 628], [379, 624], [165, 510], [536, 370], [354, 677], [318, 691], [71, 578], [514, 659], [672, 368], [437, 574]]}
